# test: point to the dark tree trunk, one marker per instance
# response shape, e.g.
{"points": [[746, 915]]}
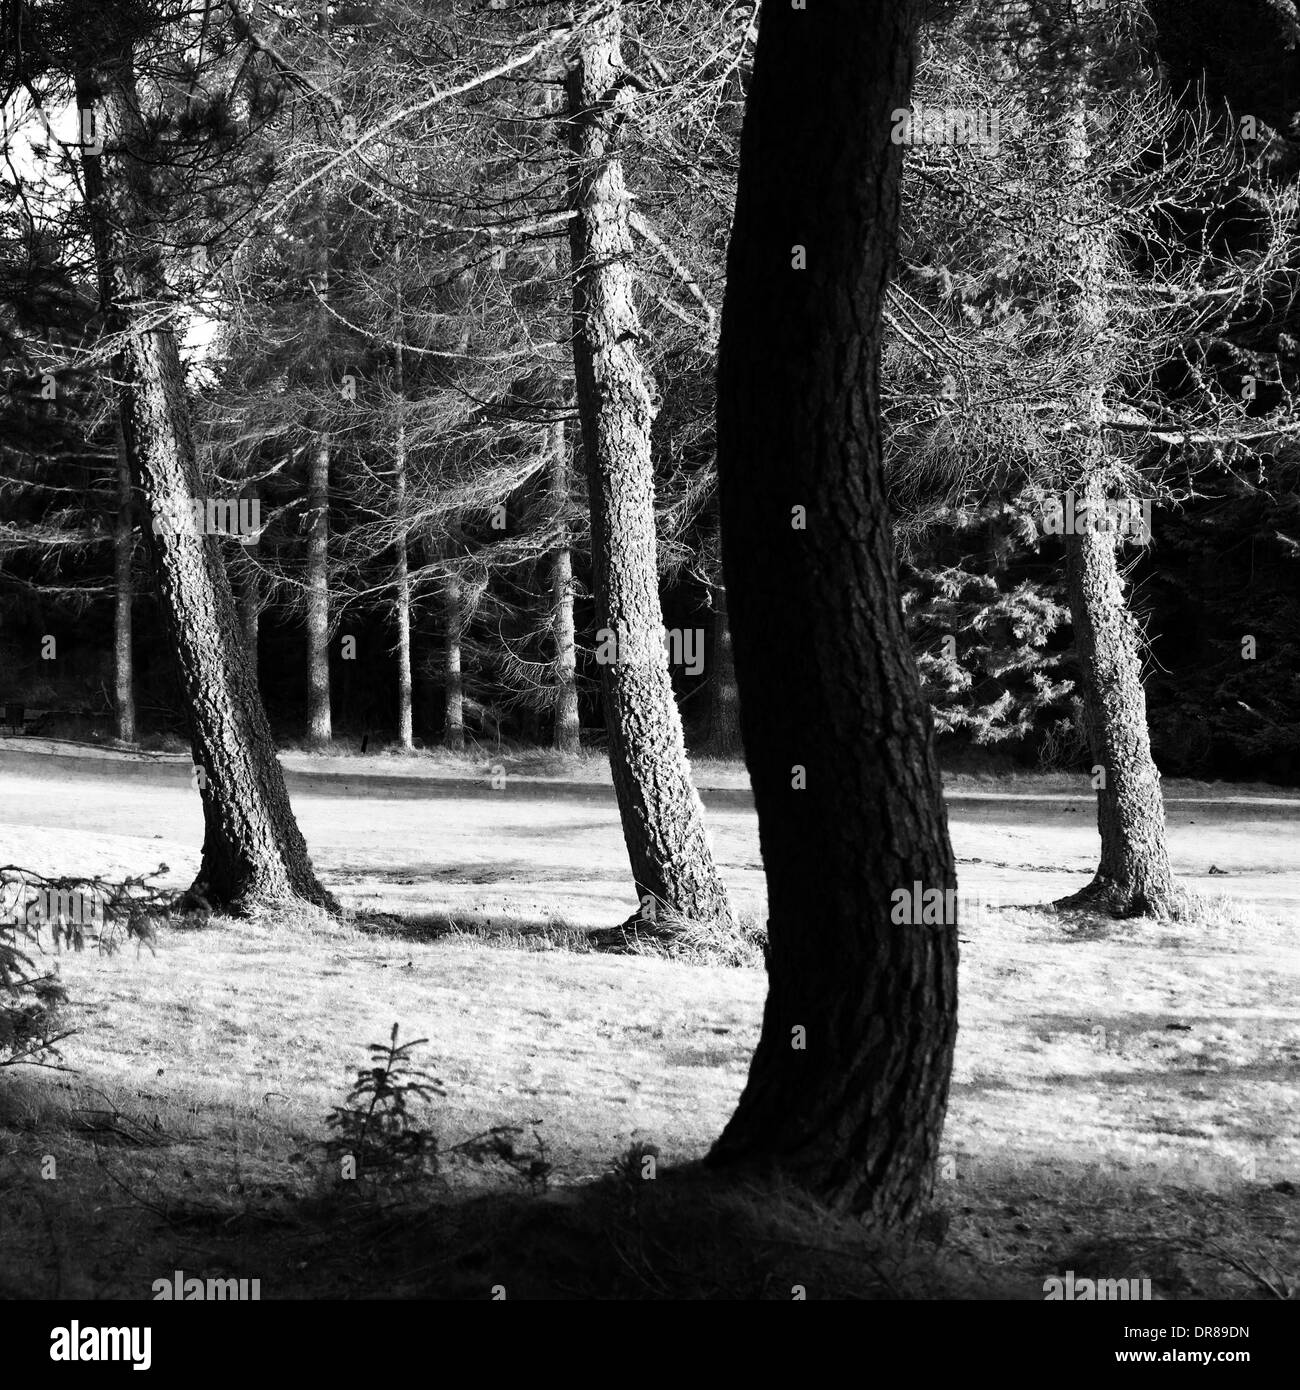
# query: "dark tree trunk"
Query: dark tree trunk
{"points": [[724, 701], [123, 593], [253, 851], [849, 1083], [663, 819], [1134, 876], [249, 598], [567, 734]]}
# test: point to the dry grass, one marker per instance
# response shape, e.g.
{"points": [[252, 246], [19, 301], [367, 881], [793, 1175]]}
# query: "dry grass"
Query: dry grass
{"points": [[1124, 1097], [1123, 1102]]}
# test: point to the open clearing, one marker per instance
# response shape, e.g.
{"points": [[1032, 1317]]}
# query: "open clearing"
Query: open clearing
{"points": [[1125, 1099]]}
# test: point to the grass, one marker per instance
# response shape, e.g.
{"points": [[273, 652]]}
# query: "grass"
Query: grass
{"points": [[1123, 1104]]}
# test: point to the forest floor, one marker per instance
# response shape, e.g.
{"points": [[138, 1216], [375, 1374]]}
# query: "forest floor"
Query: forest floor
{"points": [[1124, 1104]]}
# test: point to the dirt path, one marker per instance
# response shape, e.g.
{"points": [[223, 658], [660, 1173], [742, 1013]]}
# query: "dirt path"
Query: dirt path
{"points": [[541, 848]]}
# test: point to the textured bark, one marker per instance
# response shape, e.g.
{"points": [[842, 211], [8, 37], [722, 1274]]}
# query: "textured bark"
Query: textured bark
{"points": [[567, 733], [828, 686], [253, 851], [453, 735], [123, 594], [319, 720], [724, 700], [663, 819], [1134, 875]]}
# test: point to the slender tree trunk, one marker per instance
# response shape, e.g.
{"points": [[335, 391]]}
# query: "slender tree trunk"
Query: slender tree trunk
{"points": [[1134, 876], [566, 738], [320, 731], [402, 603], [663, 819], [253, 851], [724, 701], [849, 1083], [249, 599], [402, 616], [319, 722], [453, 735], [124, 592]]}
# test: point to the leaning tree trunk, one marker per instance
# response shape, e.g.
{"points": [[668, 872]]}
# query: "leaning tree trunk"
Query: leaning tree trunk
{"points": [[663, 819], [724, 701], [848, 1086], [567, 734], [123, 593], [253, 851], [1134, 875]]}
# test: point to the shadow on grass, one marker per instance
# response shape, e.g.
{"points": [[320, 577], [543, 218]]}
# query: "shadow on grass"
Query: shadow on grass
{"points": [[119, 1218], [684, 1235]]}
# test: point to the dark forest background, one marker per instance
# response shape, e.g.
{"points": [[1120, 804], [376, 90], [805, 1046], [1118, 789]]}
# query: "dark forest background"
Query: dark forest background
{"points": [[1225, 562]]}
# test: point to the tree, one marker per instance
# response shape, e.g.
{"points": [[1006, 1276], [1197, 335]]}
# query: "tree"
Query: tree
{"points": [[1080, 279], [662, 816], [253, 850], [320, 727], [724, 704], [848, 1085], [1134, 875], [566, 735], [123, 594]]}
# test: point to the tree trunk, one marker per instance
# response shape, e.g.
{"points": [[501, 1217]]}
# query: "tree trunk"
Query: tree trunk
{"points": [[724, 703], [123, 590], [402, 604], [663, 819], [249, 599], [253, 851], [453, 735], [848, 1085], [319, 716], [1134, 875], [320, 731], [567, 737], [319, 723], [402, 614]]}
